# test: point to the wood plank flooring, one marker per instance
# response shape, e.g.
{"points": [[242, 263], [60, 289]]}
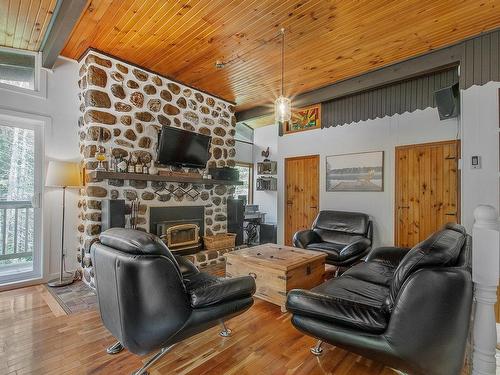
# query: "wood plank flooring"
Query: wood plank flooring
{"points": [[37, 338]]}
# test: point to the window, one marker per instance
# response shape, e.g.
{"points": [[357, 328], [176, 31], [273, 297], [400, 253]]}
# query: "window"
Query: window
{"points": [[18, 68], [244, 133], [246, 176]]}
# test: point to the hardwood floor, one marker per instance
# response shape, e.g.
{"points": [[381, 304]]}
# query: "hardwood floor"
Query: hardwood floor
{"points": [[36, 337]]}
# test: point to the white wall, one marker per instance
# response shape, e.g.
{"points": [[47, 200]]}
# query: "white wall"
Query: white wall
{"points": [[60, 107], [372, 135], [267, 200], [480, 127]]}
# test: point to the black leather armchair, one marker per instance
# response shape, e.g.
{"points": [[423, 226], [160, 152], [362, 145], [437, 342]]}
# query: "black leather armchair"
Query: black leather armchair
{"points": [[150, 300], [345, 237], [409, 309]]}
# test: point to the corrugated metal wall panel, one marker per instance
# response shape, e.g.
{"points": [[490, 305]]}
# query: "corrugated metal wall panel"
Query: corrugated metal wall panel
{"points": [[406, 96], [480, 60]]}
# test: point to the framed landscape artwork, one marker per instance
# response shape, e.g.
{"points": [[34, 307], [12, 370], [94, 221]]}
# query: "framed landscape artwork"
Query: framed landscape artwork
{"points": [[304, 119], [355, 172]]}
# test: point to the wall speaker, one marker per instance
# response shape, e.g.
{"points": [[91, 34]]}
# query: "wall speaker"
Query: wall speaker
{"points": [[448, 102], [113, 213]]}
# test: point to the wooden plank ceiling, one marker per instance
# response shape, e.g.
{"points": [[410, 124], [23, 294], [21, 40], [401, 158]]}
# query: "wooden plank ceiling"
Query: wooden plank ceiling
{"points": [[23, 23], [326, 40]]}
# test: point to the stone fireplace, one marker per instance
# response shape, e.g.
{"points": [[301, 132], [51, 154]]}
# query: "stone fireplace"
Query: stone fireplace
{"points": [[126, 106]]}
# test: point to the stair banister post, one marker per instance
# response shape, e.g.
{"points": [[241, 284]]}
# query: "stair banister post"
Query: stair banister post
{"points": [[485, 273]]}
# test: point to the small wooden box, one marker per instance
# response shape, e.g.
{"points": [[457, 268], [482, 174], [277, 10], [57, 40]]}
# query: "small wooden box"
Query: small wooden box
{"points": [[277, 269]]}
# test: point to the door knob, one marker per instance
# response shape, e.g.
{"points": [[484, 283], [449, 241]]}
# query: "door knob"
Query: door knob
{"points": [[289, 202], [450, 213]]}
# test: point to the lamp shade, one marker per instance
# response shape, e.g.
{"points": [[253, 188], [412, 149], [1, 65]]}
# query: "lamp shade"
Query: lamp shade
{"points": [[283, 109], [63, 174]]}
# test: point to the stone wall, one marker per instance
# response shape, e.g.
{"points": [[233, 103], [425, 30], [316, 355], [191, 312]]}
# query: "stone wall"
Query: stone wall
{"points": [[128, 106]]}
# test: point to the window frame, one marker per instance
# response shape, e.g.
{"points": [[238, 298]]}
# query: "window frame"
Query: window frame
{"points": [[40, 87], [250, 166]]}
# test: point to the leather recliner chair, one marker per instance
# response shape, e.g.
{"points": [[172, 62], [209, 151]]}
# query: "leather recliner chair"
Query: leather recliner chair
{"points": [[345, 237], [409, 309], [150, 300]]}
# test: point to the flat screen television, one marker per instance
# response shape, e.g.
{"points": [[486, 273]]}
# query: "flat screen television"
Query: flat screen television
{"points": [[183, 148]]}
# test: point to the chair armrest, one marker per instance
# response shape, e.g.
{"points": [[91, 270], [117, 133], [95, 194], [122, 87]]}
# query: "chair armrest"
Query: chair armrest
{"points": [[305, 237], [355, 247], [223, 290], [185, 266], [390, 254]]}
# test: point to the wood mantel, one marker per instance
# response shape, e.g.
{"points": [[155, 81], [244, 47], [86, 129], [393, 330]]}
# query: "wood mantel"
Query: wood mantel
{"points": [[104, 175]]}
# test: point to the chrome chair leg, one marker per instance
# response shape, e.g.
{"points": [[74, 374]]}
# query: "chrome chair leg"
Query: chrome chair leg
{"points": [[317, 350], [153, 360], [226, 332], [116, 348]]}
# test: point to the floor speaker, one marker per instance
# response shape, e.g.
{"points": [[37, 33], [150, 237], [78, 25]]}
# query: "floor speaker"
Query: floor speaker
{"points": [[235, 217], [113, 213], [268, 233]]}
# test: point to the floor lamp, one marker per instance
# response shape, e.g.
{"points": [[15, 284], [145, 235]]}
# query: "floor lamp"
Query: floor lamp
{"points": [[62, 175]]}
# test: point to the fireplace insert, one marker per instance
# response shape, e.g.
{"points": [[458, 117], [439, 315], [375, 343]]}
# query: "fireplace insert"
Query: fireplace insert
{"points": [[180, 227]]}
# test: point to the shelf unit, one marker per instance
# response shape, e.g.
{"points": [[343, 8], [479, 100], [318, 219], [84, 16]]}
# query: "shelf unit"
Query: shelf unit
{"points": [[269, 168], [105, 175]]}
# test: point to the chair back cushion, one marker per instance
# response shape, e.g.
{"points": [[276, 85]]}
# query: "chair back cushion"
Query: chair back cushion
{"points": [[341, 221], [136, 242], [441, 249], [340, 226]]}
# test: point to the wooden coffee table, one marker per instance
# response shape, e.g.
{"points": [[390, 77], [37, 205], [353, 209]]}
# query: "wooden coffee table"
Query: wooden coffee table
{"points": [[277, 269]]}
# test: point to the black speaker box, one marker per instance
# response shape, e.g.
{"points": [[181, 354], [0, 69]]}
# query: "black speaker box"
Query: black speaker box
{"points": [[113, 213], [235, 217], [268, 233], [225, 173], [448, 102]]}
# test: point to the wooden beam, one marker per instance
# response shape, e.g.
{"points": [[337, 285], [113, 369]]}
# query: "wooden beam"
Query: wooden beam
{"points": [[420, 65], [66, 18]]}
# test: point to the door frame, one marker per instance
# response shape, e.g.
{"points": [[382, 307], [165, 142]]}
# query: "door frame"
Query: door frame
{"points": [[312, 156], [459, 179], [39, 124]]}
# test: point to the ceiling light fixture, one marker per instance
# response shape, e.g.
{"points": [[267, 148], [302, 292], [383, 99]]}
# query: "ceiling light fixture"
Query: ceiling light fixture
{"points": [[282, 105]]}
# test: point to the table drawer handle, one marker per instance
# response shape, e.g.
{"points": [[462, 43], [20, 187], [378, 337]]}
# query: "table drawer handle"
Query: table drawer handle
{"points": [[254, 275]]}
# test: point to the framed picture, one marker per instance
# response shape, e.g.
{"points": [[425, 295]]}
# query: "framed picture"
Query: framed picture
{"points": [[355, 172], [304, 119]]}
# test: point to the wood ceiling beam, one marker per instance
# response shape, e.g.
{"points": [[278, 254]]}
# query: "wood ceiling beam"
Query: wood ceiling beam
{"points": [[66, 18], [433, 61]]}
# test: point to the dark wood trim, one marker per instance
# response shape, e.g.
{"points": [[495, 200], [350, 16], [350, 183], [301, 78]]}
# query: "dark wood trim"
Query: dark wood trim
{"points": [[67, 16], [250, 166], [92, 49], [103, 175]]}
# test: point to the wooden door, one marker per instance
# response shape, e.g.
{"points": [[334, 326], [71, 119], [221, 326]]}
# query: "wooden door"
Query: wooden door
{"points": [[301, 194], [427, 190]]}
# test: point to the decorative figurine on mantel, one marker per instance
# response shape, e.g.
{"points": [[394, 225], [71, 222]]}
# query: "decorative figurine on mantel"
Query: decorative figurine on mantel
{"points": [[100, 156], [266, 154], [152, 169]]}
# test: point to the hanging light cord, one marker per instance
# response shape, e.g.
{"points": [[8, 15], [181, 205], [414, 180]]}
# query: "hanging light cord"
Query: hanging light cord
{"points": [[282, 61]]}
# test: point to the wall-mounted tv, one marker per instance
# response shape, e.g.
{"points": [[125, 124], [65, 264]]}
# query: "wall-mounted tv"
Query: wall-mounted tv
{"points": [[183, 148]]}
